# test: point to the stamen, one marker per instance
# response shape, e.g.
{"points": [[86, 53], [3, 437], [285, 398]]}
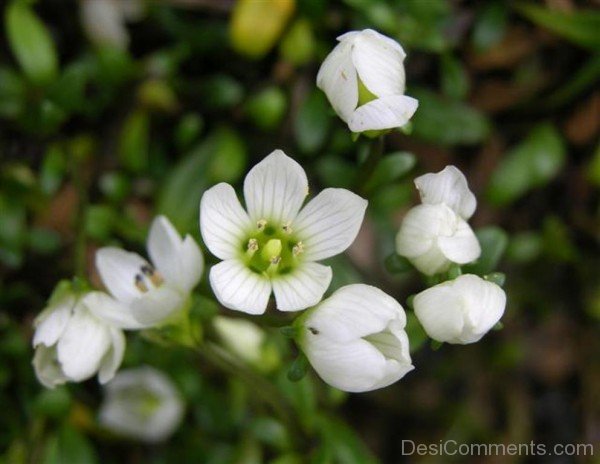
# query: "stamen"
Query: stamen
{"points": [[261, 224], [287, 228], [276, 260], [147, 270], [157, 279], [252, 247], [298, 248], [272, 269], [140, 284]]}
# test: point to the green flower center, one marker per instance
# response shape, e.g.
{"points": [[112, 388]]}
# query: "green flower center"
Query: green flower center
{"points": [[271, 249]]}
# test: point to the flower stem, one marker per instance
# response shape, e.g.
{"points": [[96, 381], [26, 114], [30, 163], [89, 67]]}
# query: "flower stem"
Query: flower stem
{"points": [[260, 386], [79, 252], [368, 167]]}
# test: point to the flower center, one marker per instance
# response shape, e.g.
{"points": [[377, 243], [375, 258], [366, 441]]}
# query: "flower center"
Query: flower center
{"points": [[147, 279], [272, 249]]}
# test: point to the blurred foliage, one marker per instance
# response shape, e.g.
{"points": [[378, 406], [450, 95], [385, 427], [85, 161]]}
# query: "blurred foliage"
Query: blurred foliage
{"points": [[96, 139]]}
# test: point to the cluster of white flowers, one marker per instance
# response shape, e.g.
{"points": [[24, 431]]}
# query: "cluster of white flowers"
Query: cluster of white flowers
{"points": [[81, 334], [355, 339]]}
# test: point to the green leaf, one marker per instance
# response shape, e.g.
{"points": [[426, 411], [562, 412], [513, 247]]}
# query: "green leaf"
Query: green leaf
{"points": [[454, 77], [134, 142], [493, 241], [533, 163], [69, 446], [499, 278], [267, 108], [312, 122], [298, 45], [415, 332], [580, 26], [31, 43], [447, 122], [298, 369], [524, 247], [343, 442], [392, 167], [220, 157], [391, 197], [490, 25], [13, 93], [396, 264], [336, 172]]}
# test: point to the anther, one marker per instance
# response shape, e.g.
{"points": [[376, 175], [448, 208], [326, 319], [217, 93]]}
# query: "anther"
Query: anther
{"points": [[157, 279], [298, 248], [252, 247], [140, 284], [147, 270], [261, 224], [287, 228]]}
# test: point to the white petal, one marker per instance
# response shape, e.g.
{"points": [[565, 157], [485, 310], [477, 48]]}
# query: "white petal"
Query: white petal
{"points": [[113, 358], [241, 337], [400, 365], [329, 223], [51, 323], [356, 366], [104, 23], [117, 269], [462, 246], [419, 228], [156, 306], [440, 312], [237, 287], [82, 346], [354, 311], [302, 288], [484, 301], [111, 311], [379, 63], [337, 78], [448, 186], [384, 113], [431, 263], [46, 367], [179, 261], [275, 189], [223, 222]]}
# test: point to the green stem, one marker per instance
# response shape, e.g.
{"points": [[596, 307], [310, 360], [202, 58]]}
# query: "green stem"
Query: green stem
{"points": [[79, 253], [368, 167], [260, 386]]}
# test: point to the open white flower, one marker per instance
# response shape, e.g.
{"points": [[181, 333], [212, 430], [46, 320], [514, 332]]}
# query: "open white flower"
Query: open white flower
{"points": [[364, 80], [142, 403], [449, 186], [355, 339], [153, 293], [73, 341], [461, 310], [432, 237], [274, 245]]}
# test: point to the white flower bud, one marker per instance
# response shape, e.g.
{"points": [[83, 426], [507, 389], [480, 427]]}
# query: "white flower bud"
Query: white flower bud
{"points": [[246, 341], [72, 342], [363, 78], [461, 310], [142, 403], [355, 339], [432, 237], [450, 187]]}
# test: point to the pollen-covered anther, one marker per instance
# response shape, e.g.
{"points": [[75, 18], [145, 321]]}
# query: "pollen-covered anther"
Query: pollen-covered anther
{"points": [[298, 248], [155, 277], [276, 260], [140, 284], [261, 224], [287, 228], [252, 244]]}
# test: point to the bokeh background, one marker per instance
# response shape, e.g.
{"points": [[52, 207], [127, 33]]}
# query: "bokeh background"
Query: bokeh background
{"points": [[114, 111]]}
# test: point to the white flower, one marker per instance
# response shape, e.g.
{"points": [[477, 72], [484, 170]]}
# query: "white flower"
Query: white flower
{"points": [[355, 339], [104, 20], [460, 310], [432, 237], [153, 293], [142, 403], [274, 245], [363, 78], [450, 187], [73, 341]]}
